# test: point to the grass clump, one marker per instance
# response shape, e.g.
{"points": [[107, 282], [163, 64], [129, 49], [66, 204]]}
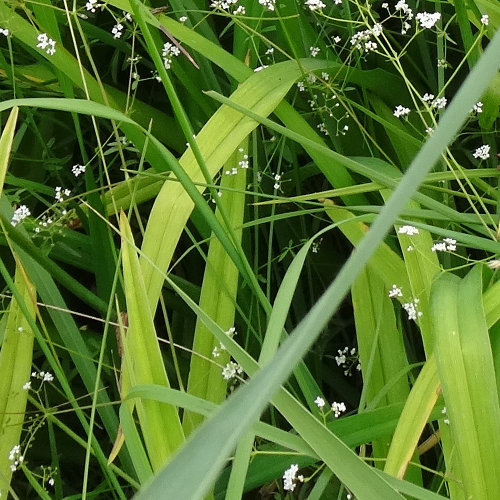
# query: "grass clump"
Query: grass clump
{"points": [[243, 249]]}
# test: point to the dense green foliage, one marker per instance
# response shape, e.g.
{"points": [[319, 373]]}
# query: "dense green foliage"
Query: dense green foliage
{"points": [[242, 249]]}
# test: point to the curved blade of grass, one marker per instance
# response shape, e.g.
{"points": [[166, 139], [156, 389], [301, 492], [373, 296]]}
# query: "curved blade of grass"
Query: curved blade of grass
{"points": [[143, 363], [381, 350], [415, 415], [15, 368], [218, 299], [221, 135], [466, 371], [6, 144]]}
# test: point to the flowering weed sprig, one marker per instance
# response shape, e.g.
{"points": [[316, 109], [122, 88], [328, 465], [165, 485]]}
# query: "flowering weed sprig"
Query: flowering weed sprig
{"points": [[46, 43]]}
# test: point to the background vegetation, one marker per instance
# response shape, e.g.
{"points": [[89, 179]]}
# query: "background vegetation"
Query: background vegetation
{"points": [[243, 249]]}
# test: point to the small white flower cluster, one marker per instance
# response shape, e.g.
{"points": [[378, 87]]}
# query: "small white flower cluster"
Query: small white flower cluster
{"points": [[46, 43], [362, 40], [231, 370], [20, 214], [445, 420], [400, 111], [78, 169], [406, 14], [395, 291], [15, 457], [319, 402], [168, 52], [91, 5], [322, 128], [314, 5], [436, 103], [45, 222], [61, 193], [268, 4], [277, 183], [43, 376], [290, 477], [218, 349], [447, 245], [482, 152], [4, 31], [477, 108], [347, 359], [117, 30], [338, 408], [314, 51], [494, 264], [409, 230], [428, 20], [485, 20], [243, 163], [412, 309], [229, 6]]}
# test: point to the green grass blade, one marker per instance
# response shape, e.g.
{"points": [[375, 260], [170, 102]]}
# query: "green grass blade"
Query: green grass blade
{"points": [[6, 144], [143, 363], [466, 371], [15, 368], [218, 299]]}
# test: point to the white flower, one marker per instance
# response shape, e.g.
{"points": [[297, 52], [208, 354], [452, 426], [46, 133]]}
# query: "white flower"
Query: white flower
{"points": [[46, 43], [289, 477], [314, 5], [15, 457], [485, 20], [362, 39], [319, 402], [27, 385], [411, 309], [19, 214], [269, 4], [494, 264], [409, 230], [428, 20], [427, 97], [168, 52], [401, 111], [314, 51], [231, 370], [260, 68], [183, 19], [60, 193], [338, 408], [91, 5], [78, 169], [117, 30], [482, 152], [447, 245], [478, 107], [404, 8], [4, 31], [451, 244], [439, 103], [377, 30], [395, 291]]}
